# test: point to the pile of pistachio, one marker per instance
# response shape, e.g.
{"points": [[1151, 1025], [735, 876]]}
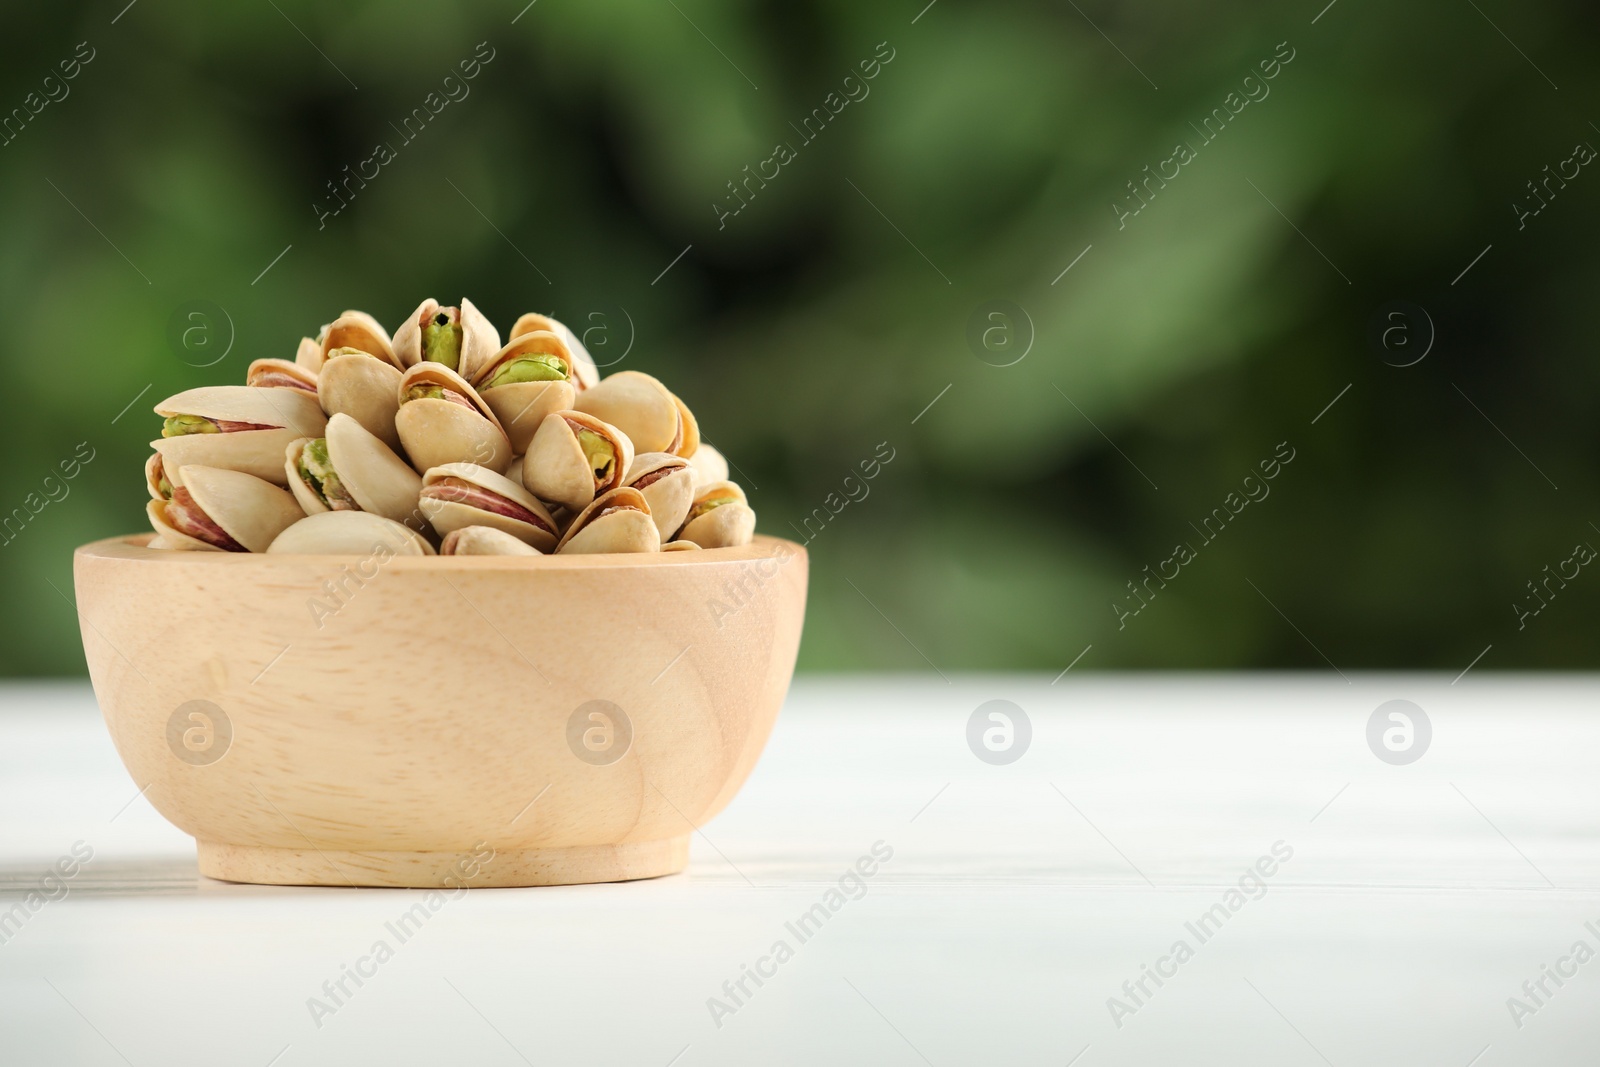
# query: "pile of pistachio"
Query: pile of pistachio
{"points": [[439, 439]]}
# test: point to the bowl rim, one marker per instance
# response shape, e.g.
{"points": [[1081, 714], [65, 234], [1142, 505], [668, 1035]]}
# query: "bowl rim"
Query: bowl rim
{"points": [[133, 548]]}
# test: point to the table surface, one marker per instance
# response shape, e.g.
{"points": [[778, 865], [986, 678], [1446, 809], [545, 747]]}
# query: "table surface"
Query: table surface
{"points": [[1405, 908]]}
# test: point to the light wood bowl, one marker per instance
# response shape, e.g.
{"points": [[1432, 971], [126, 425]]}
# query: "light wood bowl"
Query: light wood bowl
{"points": [[419, 734]]}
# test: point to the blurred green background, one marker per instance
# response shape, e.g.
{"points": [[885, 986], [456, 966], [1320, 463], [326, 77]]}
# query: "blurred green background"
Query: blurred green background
{"points": [[187, 159]]}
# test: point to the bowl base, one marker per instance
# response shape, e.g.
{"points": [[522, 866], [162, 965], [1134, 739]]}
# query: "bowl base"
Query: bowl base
{"points": [[444, 870]]}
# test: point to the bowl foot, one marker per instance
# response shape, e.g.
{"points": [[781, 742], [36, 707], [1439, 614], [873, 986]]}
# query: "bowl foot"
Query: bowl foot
{"points": [[483, 868]]}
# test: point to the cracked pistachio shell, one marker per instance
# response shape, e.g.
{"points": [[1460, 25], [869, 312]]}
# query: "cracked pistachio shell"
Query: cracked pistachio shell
{"points": [[639, 406], [728, 523], [585, 373], [479, 339], [709, 465], [483, 541], [490, 509], [556, 468], [617, 521], [522, 406], [687, 443], [680, 546], [288, 414], [357, 329], [155, 472], [167, 536], [248, 509], [350, 533], [670, 490], [436, 431], [377, 480], [364, 388], [280, 373]]}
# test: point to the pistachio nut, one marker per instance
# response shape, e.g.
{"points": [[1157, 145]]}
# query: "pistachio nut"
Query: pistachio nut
{"points": [[309, 354], [367, 389], [264, 373], [443, 420], [483, 541], [350, 533], [709, 465], [456, 337], [680, 546], [349, 469], [156, 479], [573, 457], [616, 521], [584, 372], [359, 331], [719, 518], [667, 482], [458, 495], [222, 509], [525, 381], [639, 406], [240, 427]]}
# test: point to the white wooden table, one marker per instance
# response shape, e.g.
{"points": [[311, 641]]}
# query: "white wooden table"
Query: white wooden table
{"points": [[1414, 901]]}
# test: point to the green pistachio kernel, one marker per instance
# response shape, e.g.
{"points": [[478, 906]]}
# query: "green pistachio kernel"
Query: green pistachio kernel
{"points": [[164, 487], [703, 506], [541, 368], [598, 451], [181, 425], [424, 391], [441, 341], [317, 470]]}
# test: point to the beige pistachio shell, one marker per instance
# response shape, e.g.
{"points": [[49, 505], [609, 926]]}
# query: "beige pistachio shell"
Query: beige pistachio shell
{"points": [[280, 373], [483, 541], [709, 465], [668, 495], [294, 409], [687, 443], [584, 371], [167, 536], [249, 510], [723, 526], [379, 481], [255, 452], [435, 432], [639, 406], [555, 468], [479, 339], [357, 329], [522, 406], [617, 521], [680, 546], [154, 471], [350, 533], [450, 515], [366, 389], [309, 354]]}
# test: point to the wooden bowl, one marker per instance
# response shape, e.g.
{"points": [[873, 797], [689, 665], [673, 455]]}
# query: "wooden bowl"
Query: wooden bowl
{"points": [[428, 721]]}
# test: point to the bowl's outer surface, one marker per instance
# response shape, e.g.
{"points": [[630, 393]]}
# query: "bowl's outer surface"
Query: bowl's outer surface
{"points": [[421, 704]]}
